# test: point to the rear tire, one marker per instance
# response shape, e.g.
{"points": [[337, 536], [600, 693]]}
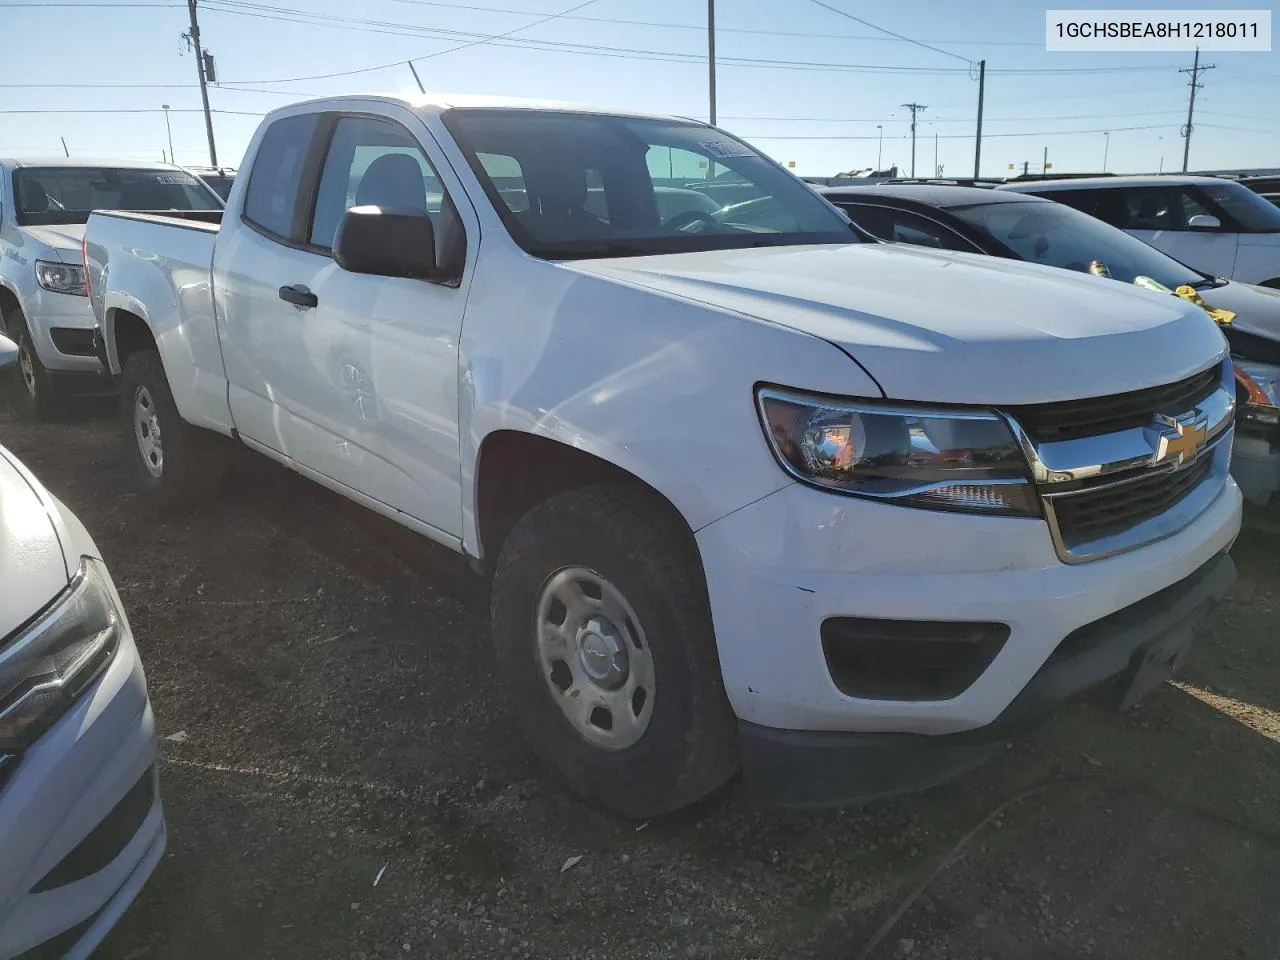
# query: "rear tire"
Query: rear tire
{"points": [[174, 462], [31, 388], [631, 571]]}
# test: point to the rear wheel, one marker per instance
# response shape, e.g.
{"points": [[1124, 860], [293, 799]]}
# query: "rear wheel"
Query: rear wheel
{"points": [[604, 639], [31, 387], [173, 461]]}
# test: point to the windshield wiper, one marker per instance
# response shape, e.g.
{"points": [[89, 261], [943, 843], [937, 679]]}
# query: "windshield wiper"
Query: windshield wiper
{"points": [[1208, 282]]}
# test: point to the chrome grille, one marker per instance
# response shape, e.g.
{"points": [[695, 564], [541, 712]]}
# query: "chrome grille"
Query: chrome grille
{"points": [[1109, 475], [1071, 419], [1106, 511]]}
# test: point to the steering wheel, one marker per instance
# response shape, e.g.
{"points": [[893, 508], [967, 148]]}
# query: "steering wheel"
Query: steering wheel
{"points": [[688, 218]]}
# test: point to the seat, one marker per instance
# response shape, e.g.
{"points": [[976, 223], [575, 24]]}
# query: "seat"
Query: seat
{"points": [[393, 181]]}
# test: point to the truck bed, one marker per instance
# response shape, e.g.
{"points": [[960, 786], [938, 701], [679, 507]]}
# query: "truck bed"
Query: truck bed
{"points": [[208, 220]]}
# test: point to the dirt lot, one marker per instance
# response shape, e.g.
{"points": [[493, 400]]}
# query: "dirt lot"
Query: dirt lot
{"points": [[342, 723]]}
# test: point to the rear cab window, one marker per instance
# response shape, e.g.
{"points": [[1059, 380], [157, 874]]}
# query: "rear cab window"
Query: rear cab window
{"points": [[275, 181]]}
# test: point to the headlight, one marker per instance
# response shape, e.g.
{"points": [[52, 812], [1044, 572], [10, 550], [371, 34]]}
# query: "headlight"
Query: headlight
{"points": [[61, 277], [1261, 383], [939, 459], [48, 664]]}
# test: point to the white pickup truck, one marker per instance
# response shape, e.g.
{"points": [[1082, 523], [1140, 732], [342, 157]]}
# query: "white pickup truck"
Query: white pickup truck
{"points": [[771, 497]]}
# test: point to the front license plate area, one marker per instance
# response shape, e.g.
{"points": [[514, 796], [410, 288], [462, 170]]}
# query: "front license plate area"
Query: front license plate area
{"points": [[1158, 660]]}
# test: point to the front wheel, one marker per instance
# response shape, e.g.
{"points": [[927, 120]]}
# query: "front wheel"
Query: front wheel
{"points": [[173, 461], [604, 639], [32, 388]]}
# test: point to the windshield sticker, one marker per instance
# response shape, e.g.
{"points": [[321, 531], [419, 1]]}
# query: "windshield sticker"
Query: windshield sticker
{"points": [[725, 148], [176, 178]]}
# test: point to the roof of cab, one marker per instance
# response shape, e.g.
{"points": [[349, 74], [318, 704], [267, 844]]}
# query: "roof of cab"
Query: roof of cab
{"points": [[440, 102]]}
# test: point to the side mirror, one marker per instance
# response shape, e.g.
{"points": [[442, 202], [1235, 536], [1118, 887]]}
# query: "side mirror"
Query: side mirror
{"points": [[1204, 221], [8, 351], [386, 243]]}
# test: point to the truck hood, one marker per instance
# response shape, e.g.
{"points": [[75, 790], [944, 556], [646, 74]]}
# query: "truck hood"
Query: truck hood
{"points": [[947, 327], [63, 238], [32, 568]]}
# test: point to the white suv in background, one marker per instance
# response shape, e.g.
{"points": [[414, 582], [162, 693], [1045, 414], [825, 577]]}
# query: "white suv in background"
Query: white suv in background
{"points": [[1215, 225], [43, 304]]}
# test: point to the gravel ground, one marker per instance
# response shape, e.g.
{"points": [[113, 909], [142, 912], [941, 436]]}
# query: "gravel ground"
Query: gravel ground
{"points": [[348, 784]]}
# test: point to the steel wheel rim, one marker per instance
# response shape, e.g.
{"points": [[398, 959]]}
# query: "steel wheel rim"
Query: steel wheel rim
{"points": [[594, 658], [28, 367], [146, 431]]}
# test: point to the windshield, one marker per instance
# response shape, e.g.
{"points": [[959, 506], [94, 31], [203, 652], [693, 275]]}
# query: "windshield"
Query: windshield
{"points": [[61, 195], [1060, 236], [1254, 213], [574, 185]]}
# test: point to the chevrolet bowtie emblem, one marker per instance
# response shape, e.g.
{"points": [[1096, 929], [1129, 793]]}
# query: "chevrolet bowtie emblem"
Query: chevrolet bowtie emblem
{"points": [[1178, 439]]}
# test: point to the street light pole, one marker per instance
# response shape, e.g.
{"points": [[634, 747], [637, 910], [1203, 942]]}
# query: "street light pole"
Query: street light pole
{"points": [[169, 129], [880, 149], [1106, 148]]}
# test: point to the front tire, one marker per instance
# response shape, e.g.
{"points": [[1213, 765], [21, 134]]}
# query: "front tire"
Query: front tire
{"points": [[33, 392], [178, 464], [604, 640]]}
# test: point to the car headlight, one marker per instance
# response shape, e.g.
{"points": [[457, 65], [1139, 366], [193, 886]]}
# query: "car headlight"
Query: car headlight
{"points": [[51, 661], [934, 458], [61, 277], [1261, 384]]}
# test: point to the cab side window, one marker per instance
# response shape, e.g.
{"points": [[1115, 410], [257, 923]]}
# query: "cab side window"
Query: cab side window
{"points": [[376, 162], [272, 198]]}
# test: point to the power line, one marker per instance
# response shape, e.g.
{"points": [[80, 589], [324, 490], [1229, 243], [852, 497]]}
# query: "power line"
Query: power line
{"points": [[867, 23], [961, 136], [719, 29], [294, 15]]}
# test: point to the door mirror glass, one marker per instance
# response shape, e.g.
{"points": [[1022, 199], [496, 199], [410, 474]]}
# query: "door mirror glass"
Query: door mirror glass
{"points": [[386, 243], [1204, 221], [8, 351]]}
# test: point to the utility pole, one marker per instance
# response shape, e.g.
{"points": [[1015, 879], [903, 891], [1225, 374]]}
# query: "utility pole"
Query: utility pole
{"points": [[201, 69], [1195, 85], [1044, 165], [1106, 148], [914, 108], [880, 149], [977, 147], [936, 171], [711, 57], [169, 129], [64, 147]]}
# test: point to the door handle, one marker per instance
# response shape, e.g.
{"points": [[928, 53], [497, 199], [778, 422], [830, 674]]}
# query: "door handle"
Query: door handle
{"points": [[299, 296]]}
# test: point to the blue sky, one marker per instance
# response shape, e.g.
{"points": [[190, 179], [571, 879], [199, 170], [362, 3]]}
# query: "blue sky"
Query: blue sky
{"points": [[827, 84]]}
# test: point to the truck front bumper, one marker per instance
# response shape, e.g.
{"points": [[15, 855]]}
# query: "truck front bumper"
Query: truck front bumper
{"points": [[782, 570], [1118, 658]]}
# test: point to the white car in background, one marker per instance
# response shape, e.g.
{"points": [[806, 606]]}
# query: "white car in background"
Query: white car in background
{"points": [[81, 823], [1215, 225], [44, 307]]}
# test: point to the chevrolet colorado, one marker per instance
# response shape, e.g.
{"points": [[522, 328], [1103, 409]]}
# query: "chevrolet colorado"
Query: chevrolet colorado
{"points": [[772, 497]]}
